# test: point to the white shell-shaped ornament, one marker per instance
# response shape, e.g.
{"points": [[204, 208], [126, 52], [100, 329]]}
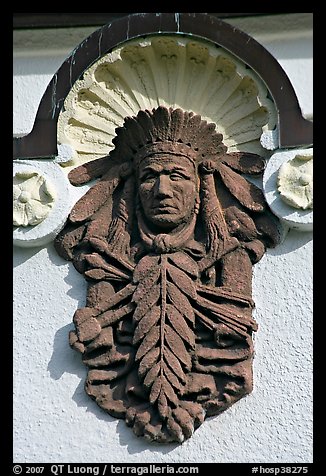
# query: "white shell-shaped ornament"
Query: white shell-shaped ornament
{"points": [[172, 71]]}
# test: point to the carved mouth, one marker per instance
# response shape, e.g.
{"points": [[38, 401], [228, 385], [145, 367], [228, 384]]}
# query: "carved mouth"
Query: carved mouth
{"points": [[161, 209]]}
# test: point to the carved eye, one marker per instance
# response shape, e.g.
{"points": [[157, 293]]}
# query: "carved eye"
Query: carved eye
{"points": [[148, 177], [177, 176]]}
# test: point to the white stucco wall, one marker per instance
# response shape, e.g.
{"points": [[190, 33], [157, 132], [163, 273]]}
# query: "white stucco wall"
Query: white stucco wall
{"points": [[54, 419]]}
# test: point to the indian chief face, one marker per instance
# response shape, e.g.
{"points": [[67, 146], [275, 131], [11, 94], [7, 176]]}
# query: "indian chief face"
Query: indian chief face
{"points": [[168, 189], [166, 240]]}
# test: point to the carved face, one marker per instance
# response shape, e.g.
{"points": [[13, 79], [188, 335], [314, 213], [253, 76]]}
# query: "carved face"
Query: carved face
{"points": [[167, 189]]}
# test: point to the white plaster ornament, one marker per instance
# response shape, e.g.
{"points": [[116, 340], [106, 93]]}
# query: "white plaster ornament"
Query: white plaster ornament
{"points": [[288, 187], [33, 198], [173, 72], [42, 201], [295, 181]]}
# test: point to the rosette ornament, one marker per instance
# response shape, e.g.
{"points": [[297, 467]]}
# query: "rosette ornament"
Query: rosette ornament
{"points": [[295, 181], [33, 198]]}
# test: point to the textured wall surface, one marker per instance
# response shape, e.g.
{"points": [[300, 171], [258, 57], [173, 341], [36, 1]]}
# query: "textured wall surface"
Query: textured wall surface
{"points": [[55, 421]]}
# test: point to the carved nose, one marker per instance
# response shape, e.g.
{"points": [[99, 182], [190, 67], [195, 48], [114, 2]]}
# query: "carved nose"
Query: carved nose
{"points": [[163, 187]]}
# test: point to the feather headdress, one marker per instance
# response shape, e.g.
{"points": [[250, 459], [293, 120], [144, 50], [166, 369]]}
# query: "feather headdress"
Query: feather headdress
{"points": [[107, 210]]}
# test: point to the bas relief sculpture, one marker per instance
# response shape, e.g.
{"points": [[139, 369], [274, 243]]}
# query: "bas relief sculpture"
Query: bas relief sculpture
{"points": [[166, 239]]}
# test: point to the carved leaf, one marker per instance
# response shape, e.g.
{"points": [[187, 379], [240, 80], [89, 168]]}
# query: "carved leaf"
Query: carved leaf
{"points": [[184, 262], [148, 361], [162, 406], [144, 267], [156, 389], [148, 343], [180, 302], [164, 334], [183, 282], [172, 377], [180, 325], [175, 365], [146, 323], [169, 392], [177, 346], [146, 284], [146, 304], [152, 375]]}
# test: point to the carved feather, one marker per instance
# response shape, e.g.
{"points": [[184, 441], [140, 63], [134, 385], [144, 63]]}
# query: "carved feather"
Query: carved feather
{"points": [[244, 162], [99, 244], [94, 198], [103, 270], [176, 125], [89, 171], [226, 294], [161, 121], [246, 192], [111, 300], [144, 118], [108, 318]]}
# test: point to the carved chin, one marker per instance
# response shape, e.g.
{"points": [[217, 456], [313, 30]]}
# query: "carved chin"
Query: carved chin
{"points": [[166, 220]]}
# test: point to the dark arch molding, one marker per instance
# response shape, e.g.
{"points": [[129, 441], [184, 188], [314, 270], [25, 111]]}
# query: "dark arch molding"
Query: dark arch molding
{"points": [[294, 129]]}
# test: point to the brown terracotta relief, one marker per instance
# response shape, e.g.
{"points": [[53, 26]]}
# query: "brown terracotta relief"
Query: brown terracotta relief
{"points": [[166, 239]]}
